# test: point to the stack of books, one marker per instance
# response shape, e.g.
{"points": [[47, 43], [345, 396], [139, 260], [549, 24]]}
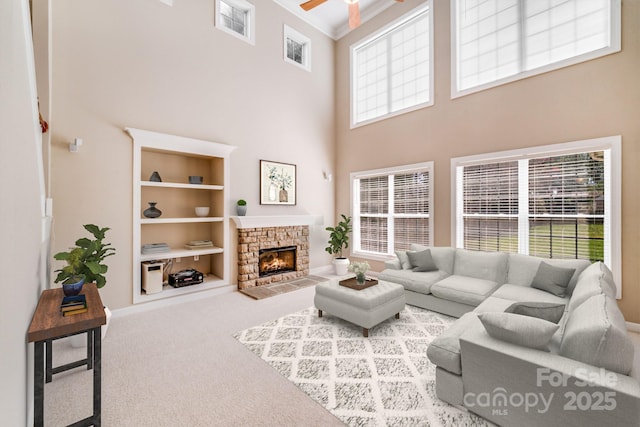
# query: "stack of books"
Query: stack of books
{"points": [[155, 248], [199, 244], [73, 305]]}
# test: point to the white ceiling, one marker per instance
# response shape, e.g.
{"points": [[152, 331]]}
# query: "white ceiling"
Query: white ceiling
{"points": [[332, 16]]}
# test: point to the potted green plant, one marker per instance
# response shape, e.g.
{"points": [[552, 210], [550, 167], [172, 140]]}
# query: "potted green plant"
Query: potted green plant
{"points": [[241, 207], [84, 261], [338, 241]]}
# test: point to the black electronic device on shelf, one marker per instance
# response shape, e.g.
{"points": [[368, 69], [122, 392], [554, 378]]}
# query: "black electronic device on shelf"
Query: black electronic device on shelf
{"points": [[185, 278]]}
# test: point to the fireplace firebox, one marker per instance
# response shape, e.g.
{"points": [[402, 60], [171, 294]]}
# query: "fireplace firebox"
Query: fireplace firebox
{"points": [[277, 260]]}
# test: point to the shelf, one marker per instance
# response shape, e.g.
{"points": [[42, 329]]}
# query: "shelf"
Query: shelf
{"points": [[180, 220], [181, 185], [168, 291], [181, 253]]}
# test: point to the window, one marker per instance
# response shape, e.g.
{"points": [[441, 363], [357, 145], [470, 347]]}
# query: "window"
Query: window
{"points": [[557, 201], [392, 71], [297, 48], [391, 209], [499, 41], [236, 17]]}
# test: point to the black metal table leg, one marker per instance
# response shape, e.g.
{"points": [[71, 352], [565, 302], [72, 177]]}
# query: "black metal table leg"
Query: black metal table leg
{"points": [[49, 360], [89, 350], [97, 376], [38, 384]]}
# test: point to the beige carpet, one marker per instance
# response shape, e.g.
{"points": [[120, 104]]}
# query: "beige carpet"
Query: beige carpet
{"points": [[181, 366], [266, 291]]}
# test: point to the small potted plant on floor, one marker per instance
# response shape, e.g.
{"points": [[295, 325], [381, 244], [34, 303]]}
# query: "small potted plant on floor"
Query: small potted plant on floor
{"points": [[338, 241]]}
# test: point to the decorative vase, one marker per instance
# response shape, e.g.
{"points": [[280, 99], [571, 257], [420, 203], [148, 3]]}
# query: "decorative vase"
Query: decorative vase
{"points": [[155, 177], [152, 211], [71, 289], [272, 192], [241, 210], [284, 196], [361, 278]]}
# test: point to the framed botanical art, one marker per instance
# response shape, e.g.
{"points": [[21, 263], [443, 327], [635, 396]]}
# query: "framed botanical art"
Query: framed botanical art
{"points": [[277, 183]]}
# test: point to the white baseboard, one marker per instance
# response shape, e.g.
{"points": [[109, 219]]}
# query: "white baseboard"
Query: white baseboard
{"points": [[161, 303], [633, 327]]}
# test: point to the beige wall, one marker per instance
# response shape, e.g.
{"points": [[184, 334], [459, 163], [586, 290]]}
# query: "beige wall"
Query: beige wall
{"points": [[589, 100], [142, 64], [21, 211]]}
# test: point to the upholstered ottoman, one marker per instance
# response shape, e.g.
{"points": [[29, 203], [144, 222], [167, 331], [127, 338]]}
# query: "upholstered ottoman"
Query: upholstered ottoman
{"points": [[365, 308]]}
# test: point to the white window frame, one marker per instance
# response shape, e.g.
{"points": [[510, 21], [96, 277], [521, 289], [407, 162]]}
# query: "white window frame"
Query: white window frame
{"points": [[426, 6], [250, 26], [615, 46], [355, 176], [290, 33], [612, 145]]}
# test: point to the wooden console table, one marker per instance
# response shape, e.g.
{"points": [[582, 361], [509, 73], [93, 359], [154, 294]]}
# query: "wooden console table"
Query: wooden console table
{"points": [[47, 325]]}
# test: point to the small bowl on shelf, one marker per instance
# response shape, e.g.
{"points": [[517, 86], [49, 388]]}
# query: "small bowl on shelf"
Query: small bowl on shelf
{"points": [[202, 211]]}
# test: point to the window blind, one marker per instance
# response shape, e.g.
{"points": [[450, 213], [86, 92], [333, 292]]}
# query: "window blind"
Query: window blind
{"points": [[567, 206], [392, 210], [490, 207]]}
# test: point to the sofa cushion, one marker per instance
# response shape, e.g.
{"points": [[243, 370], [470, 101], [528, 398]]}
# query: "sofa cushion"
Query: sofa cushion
{"points": [[549, 311], [491, 266], [596, 334], [444, 351], [493, 303], [526, 331], [517, 293], [595, 280], [465, 290], [411, 280], [443, 256], [523, 268], [552, 279], [421, 261], [405, 264]]}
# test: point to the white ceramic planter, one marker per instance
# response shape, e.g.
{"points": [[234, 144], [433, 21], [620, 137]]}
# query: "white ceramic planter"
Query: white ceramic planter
{"points": [[341, 266]]}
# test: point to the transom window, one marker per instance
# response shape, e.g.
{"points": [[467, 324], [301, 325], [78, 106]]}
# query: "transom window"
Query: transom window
{"points": [[392, 70], [236, 17], [557, 201], [499, 41], [297, 48], [391, 209]]}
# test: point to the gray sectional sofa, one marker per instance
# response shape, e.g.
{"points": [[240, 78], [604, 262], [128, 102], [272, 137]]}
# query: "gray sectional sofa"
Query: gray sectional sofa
{"points": [[538, 342]]}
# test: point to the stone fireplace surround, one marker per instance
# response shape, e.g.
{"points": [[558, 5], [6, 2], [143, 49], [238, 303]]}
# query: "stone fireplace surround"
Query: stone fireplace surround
{"points": [[255, 233]]}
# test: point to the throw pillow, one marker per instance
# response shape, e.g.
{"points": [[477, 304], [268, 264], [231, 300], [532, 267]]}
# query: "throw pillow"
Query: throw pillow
{"points": [[521, 330], [552, 279], [549, 311], [422, 261], [404, 260]]}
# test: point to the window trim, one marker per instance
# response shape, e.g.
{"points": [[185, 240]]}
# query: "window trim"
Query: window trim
{"points": [[429, 166], [290, 33], [426, 6], [251, 14], [616, 46], [613, 187]]}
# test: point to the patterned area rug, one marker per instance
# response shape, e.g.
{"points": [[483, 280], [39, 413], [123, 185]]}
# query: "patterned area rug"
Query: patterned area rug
{"points": [[383, 380]]}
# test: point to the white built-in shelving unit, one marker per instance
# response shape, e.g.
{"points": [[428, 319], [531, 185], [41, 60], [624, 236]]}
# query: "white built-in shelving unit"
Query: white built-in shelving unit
{"points": [[176, 158]]}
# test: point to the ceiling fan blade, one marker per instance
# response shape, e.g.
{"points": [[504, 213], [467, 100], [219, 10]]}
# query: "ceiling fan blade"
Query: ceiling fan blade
{"points": [[308, 5], [354, 15]]}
